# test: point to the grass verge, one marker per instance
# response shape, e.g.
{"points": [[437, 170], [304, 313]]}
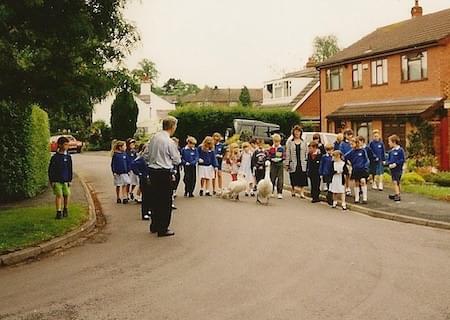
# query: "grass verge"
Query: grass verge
{"points": [[24, 227], [431, 191]]}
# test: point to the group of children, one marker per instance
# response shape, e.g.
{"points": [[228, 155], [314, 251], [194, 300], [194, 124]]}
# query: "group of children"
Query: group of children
{"points": [[350, 161]]}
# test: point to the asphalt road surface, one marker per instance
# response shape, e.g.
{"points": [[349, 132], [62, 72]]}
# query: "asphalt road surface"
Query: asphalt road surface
{"points": [[236, 260]]}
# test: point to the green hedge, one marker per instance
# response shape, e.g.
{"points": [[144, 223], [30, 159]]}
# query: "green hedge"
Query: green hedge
{"points": [[442, 179], [24, 151], [202, 121]]}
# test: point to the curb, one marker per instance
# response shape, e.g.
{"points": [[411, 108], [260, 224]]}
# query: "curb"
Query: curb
{"points": [[387, 215], [56, 243]]}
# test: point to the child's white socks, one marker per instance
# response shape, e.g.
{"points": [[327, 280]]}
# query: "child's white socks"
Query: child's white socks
{"points": [[356, 194]]}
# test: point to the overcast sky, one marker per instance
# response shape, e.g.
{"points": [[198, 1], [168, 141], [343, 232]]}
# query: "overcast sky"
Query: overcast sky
{"points": [[231, 43]]}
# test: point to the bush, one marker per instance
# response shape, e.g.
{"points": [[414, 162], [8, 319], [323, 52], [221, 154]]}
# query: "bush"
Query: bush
{"points": [[24, 151], [442, 179], [387, 177], [99, 136], [203, 121], [412, 178]]}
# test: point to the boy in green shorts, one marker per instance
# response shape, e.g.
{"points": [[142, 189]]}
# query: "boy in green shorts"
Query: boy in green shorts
{"points": [[60, 176]]}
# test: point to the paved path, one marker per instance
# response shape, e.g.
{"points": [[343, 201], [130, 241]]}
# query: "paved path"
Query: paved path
{"points": [[291, 260]]}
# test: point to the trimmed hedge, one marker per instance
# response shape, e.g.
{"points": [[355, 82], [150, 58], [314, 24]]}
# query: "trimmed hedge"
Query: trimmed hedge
{"points": [[203, 121], [442, 179], [24, 151]]}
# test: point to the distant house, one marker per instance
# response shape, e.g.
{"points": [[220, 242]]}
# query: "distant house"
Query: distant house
{"points": [[221, 97], [298, 91], [390, 78], [152, 109]]}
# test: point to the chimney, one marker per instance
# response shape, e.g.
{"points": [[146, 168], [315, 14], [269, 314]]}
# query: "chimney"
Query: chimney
{"points": [[417, 10], [146, 86], [311, 62]]}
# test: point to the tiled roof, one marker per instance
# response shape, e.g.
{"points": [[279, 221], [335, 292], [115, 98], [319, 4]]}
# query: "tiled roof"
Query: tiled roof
{"points": [[415, 32], [398, 107], [304, 92], [222, 95]]}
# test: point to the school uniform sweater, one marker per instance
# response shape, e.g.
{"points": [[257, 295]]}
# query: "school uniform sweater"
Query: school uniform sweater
{"points": [[189, 156], [326, 166], [345, 147], [60, 168], [396, 155], [119, 163], [378, 150], [208, 157], [359, 159]]}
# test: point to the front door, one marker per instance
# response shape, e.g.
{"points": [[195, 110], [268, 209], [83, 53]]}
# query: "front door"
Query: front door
{"points": [[391, 127]]}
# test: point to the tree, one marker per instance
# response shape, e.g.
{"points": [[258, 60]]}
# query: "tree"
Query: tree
{"points": [[244, 97], [54, 52], [124, 113], [325, 47], [179, 88], [147, 70]]}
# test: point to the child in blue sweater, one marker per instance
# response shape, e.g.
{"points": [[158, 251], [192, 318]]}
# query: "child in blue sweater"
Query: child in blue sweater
{"points": [[189, 160], [60, 176], [360, 168], [119, 168], [345, 147], [396, 159], [326, 171], [378, 150], [207, 164]]}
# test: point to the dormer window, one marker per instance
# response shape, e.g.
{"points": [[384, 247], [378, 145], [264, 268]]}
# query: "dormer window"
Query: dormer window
{"points": [[415, 66]]}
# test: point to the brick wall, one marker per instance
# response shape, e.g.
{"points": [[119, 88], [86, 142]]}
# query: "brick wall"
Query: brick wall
{"points": [[438, 79], [311, 107]]}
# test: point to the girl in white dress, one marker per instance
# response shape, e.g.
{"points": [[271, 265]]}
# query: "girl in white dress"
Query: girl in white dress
{"points": [[337, 186], [246, 167]]}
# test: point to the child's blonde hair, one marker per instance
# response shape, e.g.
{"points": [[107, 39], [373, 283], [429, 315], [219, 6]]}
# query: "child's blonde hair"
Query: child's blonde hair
{"points": [[276, 138], [208, 143], [117, 146], [337, 154], [191, 140], [245, 145], [340, 137], [329, 147]]}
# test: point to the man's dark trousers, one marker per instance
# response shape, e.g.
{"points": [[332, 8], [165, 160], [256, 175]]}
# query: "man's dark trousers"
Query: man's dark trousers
{"points": [[160, 197], [189, 179]]}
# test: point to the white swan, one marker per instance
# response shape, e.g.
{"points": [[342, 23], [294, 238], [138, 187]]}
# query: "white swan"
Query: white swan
{"points": [[235, 188], [264, 187]]}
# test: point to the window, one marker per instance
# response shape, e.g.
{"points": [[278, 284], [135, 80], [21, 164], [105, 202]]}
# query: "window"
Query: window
{"points": [[357, 75], [334, 79], [287, 88], [379, 72], [362, 129], [261, 132], [269, 89], [278, 92], [414, 66]]}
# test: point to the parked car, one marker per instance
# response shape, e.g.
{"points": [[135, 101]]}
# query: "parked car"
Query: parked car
{"points": [[74, 144], [325, 137], [257, 129]]}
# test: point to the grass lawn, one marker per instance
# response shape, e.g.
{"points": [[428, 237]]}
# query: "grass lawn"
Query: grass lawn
{"points": [[24, 227], [432, 191]]}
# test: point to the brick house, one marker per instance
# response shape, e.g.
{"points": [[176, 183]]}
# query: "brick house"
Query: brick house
{"points": [[221, 97], [390, 78], [297, 91]]}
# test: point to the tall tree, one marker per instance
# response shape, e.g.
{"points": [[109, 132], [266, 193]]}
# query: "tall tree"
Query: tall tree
{"points": [[147, 70], [55, 52], [244, 97], [325, 47]]}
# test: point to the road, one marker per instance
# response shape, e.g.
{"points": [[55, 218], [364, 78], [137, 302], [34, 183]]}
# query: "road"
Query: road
{"points": [[228, 260]]}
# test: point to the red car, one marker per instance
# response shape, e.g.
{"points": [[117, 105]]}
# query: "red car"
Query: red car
{"points": [[74, 144]]}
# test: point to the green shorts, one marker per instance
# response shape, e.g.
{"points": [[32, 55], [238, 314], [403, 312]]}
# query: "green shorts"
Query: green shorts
{"points": [[61, 189]]}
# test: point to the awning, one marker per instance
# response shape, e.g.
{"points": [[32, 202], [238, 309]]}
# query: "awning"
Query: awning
{"points": [[387, 108]]}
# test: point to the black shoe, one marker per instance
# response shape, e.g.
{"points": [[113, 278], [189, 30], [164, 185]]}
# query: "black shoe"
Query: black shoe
{"points": [[214, 193], [397, 198], [152, 230], [208, 194], [174, 207], [356, 202], [168, 233], [185, 194], [201, 193], [315, 200], [65, 213], [119, 201], [146, 217], [131, 196], [125, 201], [58, 215], [364, 202], [191, 195], [392, 196]]}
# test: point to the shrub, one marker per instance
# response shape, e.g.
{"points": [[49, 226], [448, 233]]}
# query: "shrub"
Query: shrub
{"points": [[99, 136], [202, 121], [412, 178], [387, 177], [24, 151], [442, 179]]}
